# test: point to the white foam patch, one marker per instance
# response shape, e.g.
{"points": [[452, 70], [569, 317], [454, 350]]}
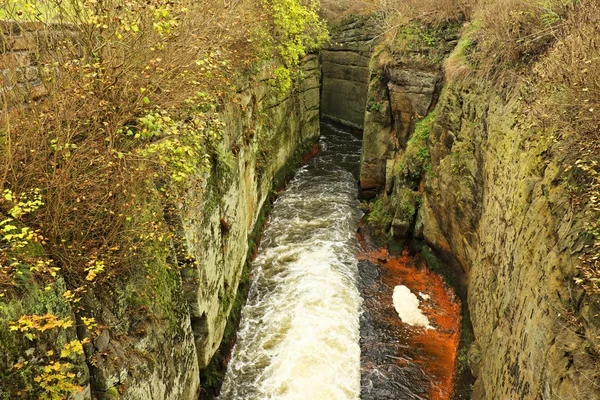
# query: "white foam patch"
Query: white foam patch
{"points": [[406, 304]]}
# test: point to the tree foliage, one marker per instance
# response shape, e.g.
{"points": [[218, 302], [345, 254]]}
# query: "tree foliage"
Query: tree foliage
{"points": [[131, 120]]}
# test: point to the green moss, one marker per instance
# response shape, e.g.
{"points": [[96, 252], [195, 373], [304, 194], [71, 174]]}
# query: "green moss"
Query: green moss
{"points": [[379, 216], [407, 205], [422, 129], [374, 106], [416, 159], [164, 285], [466, 45]]}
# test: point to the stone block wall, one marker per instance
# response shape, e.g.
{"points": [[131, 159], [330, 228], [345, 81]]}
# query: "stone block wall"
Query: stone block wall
{"points": [[20, 78], [345, 67]]}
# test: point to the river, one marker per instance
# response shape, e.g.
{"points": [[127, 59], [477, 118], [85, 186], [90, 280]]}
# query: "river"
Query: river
{"points": [[300, 331]]}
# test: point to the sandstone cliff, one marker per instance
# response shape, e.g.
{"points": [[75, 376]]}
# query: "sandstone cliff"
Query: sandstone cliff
{"points": [[485, 185]]}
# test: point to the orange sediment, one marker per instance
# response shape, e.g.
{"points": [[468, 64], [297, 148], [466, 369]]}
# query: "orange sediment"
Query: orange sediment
{"points": [[437, 347], [314, 151]]}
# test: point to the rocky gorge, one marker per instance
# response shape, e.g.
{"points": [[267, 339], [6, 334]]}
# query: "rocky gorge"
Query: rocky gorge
{"points": [[453, 166]]}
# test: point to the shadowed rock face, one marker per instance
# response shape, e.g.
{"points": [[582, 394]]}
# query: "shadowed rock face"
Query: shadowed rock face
{"points": [[398, 97], [345, 67]]}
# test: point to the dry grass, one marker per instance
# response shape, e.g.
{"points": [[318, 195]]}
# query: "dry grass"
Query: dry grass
{"points": [[568, 92], [570, 73], [428, 11], [515, 33], [334, 10]]}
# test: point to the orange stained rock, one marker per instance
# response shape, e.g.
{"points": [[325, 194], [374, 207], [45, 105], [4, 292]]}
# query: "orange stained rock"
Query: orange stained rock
{"points": [[311, 154], [440, 345]]}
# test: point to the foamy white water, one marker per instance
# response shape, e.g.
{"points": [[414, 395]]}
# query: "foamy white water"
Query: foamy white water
{"points": [[299, 333], [406, 304]]}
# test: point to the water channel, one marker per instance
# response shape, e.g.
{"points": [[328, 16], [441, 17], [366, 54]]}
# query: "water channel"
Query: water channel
{"points": [[300, 331]]}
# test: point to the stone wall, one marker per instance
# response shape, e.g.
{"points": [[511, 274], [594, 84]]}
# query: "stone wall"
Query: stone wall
{"points": [[398, 97], [162, 359], [20, 47], [345, 65], [219, 217]]}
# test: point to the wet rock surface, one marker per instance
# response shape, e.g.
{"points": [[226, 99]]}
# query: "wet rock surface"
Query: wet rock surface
{"points": [[385, 373], [399, 361]]}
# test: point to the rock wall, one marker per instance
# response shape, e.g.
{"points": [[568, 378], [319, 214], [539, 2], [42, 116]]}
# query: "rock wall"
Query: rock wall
{"points": [[398, 98], [155, 328], [496, 200], [219, 217], [487, 188], [262, 130], [20, 48], [345, 66]]}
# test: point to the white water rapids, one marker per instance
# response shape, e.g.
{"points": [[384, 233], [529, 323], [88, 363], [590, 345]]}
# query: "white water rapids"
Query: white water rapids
{"points": [[299, 332]]}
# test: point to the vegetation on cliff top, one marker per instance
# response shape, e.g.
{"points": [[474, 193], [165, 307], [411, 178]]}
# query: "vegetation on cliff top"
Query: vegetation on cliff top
{"points": [[91, 172], [543, 53]]}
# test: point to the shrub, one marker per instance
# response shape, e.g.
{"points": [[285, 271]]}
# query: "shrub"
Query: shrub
{"points": [[134, 91], [135, 102]]}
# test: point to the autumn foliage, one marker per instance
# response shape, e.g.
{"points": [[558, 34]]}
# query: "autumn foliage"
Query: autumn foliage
{"points": [[91, 172]]}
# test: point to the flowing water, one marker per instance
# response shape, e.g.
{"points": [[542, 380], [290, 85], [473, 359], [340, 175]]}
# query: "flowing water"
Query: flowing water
{"points": [[305, 331], [299, 332], [400, 361]]}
